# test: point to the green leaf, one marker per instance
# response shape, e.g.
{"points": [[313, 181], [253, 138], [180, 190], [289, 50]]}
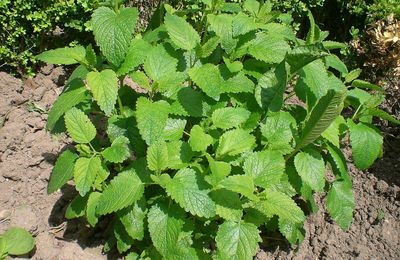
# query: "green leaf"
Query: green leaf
{"points": [[85, 173], [132, 218], [334, 62], [159, 63], [276, 203], [300, 56], [365, 85], [136, 55], [242, 184], [376, 112], [293, 232], [311, 167], [243, 24], [237, 240], [152, 119], [79, 126], [75, 93], [366, 143], [209, 47], [229, 117], [118, 151], [235, 142], [199, 140], [219, 170], [354, 74], [157, 156], [186, 189], [141, 79], [271, 87], [124, 241], [321, 117], [332, 133], [228, 204], [113, 32], [65, 56], [181, 32], [237, 84], [268, 48], [179, 154], [338, 162], [3, 248], [340, 203], [18, 241], [125, 189], [92, 203], [77, 207], [219, 24], [174, 129], [266, 167], [208, 78], [62, 172], [104, 86]]}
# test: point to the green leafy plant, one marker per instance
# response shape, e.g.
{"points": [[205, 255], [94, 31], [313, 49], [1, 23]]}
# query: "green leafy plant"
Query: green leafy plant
{"points": [[189, 143], [16, 241]]}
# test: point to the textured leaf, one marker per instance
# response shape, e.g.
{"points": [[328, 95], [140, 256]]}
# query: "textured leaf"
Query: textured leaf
{"points": [[221, 25], [124, 241], [332, 133], [62, 172], [18, 241], [157, 156], [383, 115], [179, 154], [268, 48], [79, 126], [174, 129], [135, 56], [229, 117], [266, 167], [199, 140], [66, 56], [85, 173], [104, 86], [123, 191], [311, 168], [118, 151], [238, 84], [190, 103], [365, 85], [242, 24], [219, 170], [191, 195], [338, 162], [237, 240], [209, 46], [293, 232], [72, 96], [300, 56], [228, 204], [242, 184], [234, 142], [340, 203], [366, 143], [77, 207], [152, 119], [181, 32], [132, 218], [113, 32], [92, 203], [159, 63], [208, 79], [335, 62]]}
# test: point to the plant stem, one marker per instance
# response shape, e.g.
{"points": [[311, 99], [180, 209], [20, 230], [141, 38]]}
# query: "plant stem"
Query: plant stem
{"points": [[121, 108]]}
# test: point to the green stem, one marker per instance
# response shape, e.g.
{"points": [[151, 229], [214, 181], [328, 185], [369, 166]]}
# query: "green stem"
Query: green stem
{"points": [[116, 6], [356, 113]]}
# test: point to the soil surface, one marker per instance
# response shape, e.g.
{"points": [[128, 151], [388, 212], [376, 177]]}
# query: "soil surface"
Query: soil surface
{"points": [[28, 153]]}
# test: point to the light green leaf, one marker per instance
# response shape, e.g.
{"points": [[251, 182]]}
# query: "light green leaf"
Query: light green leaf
{"points": [[132, 218], [219, 170], [235, 142], [334, 61], [229, 117], [340, 203], [186, 189], [18, 241], [123, 191], [228, 204], [242, 184], [181, 32], [366, 143], [159, 63], [332, 133], [311, 168], [135, 56], [79, 126], [221, 25], [118, 151], [123, 240], [237, 240], [179, 154], [293, 232], [62, 172], [209, 46], [252, 6], [238, 84], [85, 173], [365, 85], [151, 118], [174, 129], [300, 56], [65, 56], [268, 48], [157, 156], [199, 140], [354, 74], [140, 78], [92, 203], [77, 207], [104, 86], [208, 78], [113, 32], [242, 24], [376, 112]]}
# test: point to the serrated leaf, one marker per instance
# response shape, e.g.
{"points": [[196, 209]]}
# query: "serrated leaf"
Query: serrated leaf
{"points": [[159, 63], [228, 204], [92, 203], [181, 32], [334, 62], [237, 240], [235, 142], [293, 232], [179, 154], [242, 184], [79, 126], [266, 167], [199, 140], [152, 119], [376, 112], [311, 168], [157, 156], [118, 151], [123, 191], [62, 172], [75, 93], [85, 172], [18, 241], [174, 129], [113, 32], [132, 218], [124, 241], [208, 78], [219, 170], [338, 162], [104, 86], [300, 56], [365, 85], [140, 78], [268, 48], [209, 46], [190, 103], [65, 56], [238, 84], [352, 75], [221, 25], [340, 203], [229, 117], [135, 56], [332, 133], [366, 143], [242, 24], [185, 189], [77, 207]]}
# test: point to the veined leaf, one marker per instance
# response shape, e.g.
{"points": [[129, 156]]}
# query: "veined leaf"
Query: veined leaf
{"points": [[85, 173], [77, 207], [268, 48], [219, 170], [293, 232], [157, 156], [242, 184], [340, 203], [66, 56], [208, 78], [123, 191], [199, 140], [209, 47], [179, 154], [159, 63], [181, 32], [18, 241], [300, 56], [311, 168], [123, 240], [135, 56], [118, 151], [219, 24], [104, 86], [132, 218], [63, 171], [376, 112], [234, 142], [228, 204], [79, 126], [229, 117], [174, 129]]}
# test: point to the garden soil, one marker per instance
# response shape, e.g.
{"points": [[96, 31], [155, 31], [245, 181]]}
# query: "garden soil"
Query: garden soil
{"points": [[28, 153]]}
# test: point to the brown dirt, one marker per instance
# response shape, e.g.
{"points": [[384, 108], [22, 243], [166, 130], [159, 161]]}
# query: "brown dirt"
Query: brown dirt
{"points": [[28, 152]]}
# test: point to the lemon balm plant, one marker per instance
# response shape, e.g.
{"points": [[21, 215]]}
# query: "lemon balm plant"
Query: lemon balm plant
{"points": [[189, 142]]}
